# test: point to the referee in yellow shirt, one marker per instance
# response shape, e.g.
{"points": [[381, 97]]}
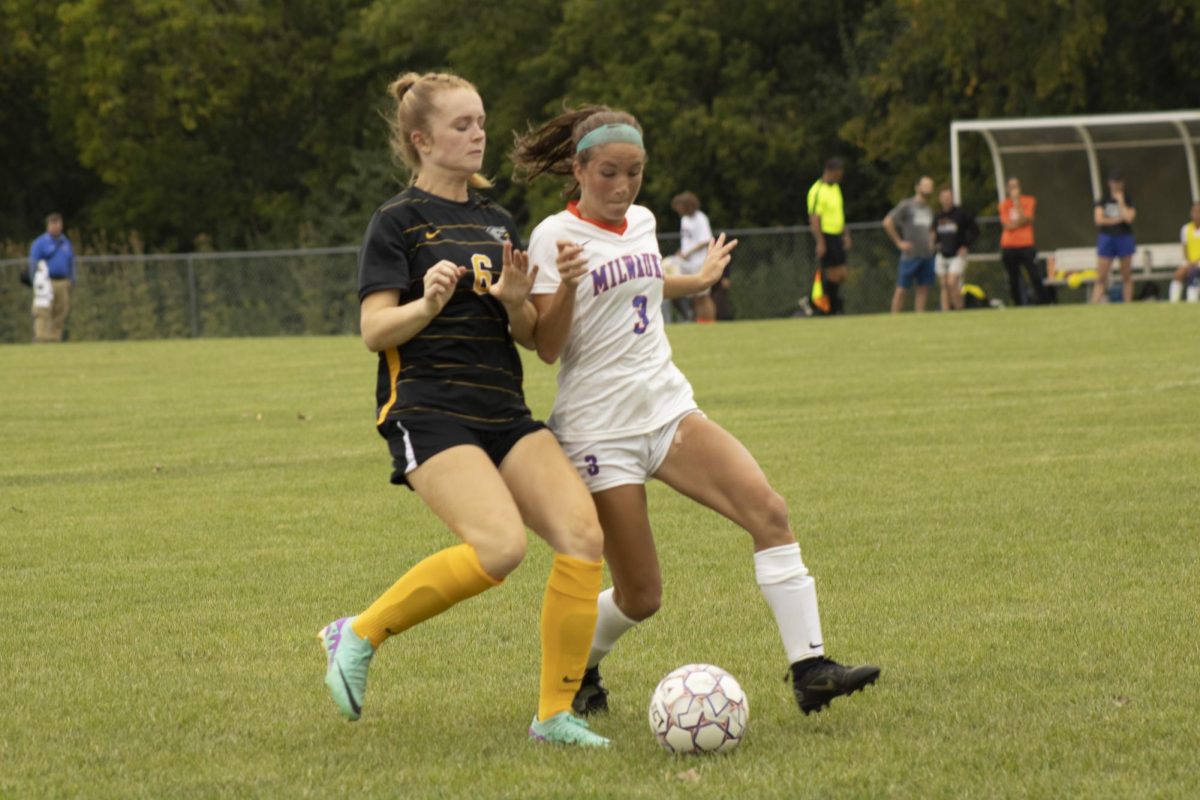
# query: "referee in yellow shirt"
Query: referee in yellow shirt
{"points": [[827, 216]]}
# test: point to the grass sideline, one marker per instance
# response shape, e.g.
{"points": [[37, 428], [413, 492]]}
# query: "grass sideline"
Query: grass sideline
{"points": [[999, 507]]}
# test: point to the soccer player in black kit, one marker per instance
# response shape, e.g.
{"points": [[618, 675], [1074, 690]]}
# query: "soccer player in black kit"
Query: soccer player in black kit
{"points": [[956, 231], [444, 288]]}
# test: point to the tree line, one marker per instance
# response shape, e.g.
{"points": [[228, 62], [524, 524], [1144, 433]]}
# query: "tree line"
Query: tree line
{"points": [[259, 123]]}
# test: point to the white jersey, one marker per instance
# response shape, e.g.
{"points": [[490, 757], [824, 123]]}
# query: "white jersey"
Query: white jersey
{"points": [[43, 289], [693, 230], [616, 378]]}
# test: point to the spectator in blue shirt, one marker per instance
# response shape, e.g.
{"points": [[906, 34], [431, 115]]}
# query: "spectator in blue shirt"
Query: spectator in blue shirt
{"points": [[54, 248]]}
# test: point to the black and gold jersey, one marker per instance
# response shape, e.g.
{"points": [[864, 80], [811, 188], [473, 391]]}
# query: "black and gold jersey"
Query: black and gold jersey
{"points": [[464, 363]]}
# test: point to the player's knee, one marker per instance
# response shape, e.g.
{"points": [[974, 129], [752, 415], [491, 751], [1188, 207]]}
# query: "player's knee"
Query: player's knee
{"points": [[771, 518], [501, 550], [580, 535], [642, 602], [774, 509]]}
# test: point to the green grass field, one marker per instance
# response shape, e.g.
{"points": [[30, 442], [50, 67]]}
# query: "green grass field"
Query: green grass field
{"points": [[1001, 509]]}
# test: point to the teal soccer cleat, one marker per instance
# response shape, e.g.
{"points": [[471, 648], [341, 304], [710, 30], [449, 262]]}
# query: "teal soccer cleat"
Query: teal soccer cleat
{"points": [[346, 673], [563, 728]]}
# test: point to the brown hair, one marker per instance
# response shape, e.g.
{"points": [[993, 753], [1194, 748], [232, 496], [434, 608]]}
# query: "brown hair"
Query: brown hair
{"points": [[415, 104], [685, 203], [550, 149], [53, 216]]}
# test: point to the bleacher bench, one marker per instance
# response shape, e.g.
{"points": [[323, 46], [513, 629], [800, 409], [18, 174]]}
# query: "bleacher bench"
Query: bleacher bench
{"points": [[1151, 262]]}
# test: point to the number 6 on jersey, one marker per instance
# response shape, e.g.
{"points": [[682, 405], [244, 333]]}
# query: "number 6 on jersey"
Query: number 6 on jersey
{"points": [[482, 266]]}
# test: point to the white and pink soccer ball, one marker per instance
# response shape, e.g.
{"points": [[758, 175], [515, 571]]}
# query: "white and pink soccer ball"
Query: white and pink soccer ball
{"points": [[699, 708]]}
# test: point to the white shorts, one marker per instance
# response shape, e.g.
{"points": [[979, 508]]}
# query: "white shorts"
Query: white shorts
{"points": [[952, 265], [609, 463]]}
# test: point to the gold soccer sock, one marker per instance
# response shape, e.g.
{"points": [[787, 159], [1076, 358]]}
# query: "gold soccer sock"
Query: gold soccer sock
{"points": [[425, 591], [568, 622]]}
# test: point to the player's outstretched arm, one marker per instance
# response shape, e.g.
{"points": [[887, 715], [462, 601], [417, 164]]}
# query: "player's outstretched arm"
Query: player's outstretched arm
{"points": [[512, 290], [556, 310], [715, 261]]}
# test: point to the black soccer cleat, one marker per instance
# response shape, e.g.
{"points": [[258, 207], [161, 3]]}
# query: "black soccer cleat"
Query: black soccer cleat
{"points": [[816, 681], [592, 697]]}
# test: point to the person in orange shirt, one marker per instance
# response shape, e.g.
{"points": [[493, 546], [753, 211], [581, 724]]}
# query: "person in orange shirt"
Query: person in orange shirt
{"points": [[1016, 245]]}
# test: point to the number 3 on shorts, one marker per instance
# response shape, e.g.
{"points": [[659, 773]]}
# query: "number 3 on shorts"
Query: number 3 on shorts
{"points": [[592, 467]]}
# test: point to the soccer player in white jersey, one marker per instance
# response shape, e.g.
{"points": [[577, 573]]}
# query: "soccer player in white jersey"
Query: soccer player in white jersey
{"points": [[624, 413]]}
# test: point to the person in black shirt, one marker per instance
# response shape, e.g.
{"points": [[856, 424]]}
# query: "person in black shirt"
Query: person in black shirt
{"points": [[1114, 215], [955, 231], [444, 293]]}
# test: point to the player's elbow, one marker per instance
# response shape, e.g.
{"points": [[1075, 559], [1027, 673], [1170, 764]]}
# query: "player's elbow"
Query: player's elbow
{"points": [[372, 340], [525, 340], [547, 353]]}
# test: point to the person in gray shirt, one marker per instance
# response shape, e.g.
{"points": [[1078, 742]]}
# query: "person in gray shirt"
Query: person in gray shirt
{"points": [[910, 226]]}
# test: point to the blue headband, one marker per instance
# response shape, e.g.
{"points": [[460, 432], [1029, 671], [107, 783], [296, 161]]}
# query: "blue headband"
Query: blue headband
{"points": [[612, 132]]}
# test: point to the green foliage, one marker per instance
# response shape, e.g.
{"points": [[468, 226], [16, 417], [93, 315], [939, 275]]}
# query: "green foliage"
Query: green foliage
{"points": [[933, 62], [259, 123], [41, 170]]}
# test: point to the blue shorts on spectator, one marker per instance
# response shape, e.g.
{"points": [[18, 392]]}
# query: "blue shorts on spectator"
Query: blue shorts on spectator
{"points": [[915, 271], [1118, 245]]}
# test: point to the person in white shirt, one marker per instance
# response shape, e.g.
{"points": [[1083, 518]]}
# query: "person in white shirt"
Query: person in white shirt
{"points": [[695, 234], [43, 302], [624, 413]]}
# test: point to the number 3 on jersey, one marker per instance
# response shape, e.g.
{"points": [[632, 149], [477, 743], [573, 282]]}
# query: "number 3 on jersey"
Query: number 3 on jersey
{"points": [[482, 266], [639, 304]]}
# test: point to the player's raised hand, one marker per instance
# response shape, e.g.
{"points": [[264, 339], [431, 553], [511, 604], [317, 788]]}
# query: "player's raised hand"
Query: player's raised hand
{"points": [[516, 278], [716, 259], [440, 280], [571, 263]]}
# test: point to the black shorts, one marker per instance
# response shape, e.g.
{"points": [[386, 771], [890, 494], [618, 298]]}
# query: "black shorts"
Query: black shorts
{"points": [[416, 438], [835, 251]]}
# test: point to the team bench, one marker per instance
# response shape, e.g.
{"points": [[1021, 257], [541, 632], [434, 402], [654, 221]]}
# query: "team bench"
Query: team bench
{"points": [[1151, 262]]}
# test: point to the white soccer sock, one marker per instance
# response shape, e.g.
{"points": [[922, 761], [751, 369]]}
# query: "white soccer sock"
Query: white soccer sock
{"points": [[792, 595], [610, 624], [1193, 294], [1175, 291]]}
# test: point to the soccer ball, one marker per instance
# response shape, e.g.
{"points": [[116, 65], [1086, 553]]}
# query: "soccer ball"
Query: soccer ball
{"points": [[699, 708]]}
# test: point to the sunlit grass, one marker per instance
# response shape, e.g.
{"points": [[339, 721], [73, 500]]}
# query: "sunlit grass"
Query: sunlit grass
{"points": [[1000, 509]]}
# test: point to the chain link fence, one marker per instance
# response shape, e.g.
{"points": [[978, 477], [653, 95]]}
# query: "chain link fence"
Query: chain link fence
{"points": [[257, 293], [773, 269], [314, 291]]}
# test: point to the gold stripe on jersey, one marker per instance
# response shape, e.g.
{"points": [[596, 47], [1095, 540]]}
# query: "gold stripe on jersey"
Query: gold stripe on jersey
{"points": [[465, 383], [501, 370], [421, 201], [407, 201], [393, 361], [438, 227], [439, 240], [468, 338], [430, 410]]}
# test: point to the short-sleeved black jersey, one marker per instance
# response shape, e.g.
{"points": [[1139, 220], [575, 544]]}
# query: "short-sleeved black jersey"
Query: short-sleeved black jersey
{"points": [[1113, 211], [464, 363]]}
